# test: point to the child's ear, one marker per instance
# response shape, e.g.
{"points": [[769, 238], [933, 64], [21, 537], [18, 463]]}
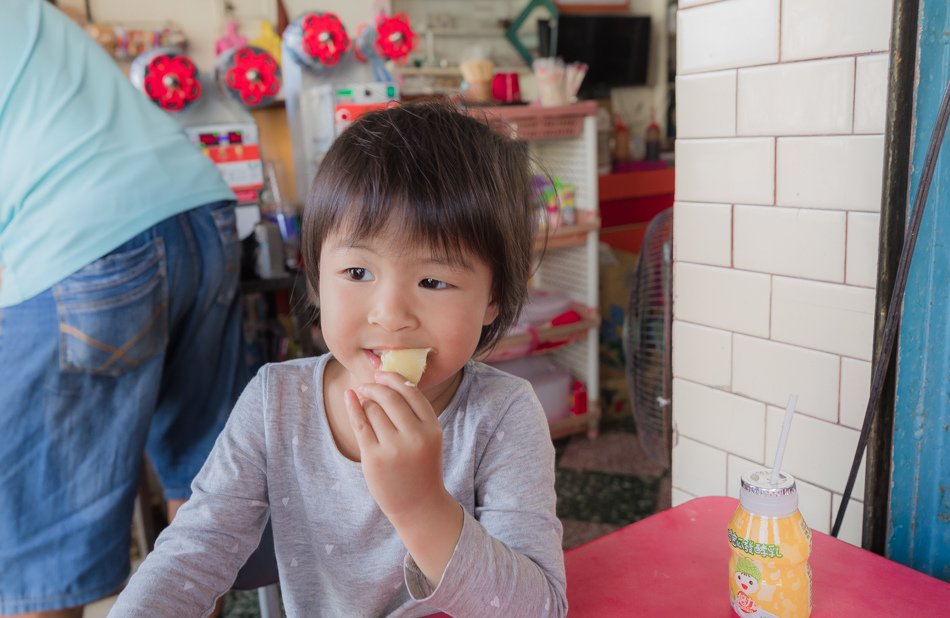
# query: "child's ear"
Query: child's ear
{"points": [[491, 313]]}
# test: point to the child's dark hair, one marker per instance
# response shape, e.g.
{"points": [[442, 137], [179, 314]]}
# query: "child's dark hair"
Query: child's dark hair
{"points": [[446, 181]]}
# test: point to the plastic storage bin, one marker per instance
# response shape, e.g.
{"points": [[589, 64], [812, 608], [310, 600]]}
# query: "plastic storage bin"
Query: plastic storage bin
{"points": [[551, 383]]}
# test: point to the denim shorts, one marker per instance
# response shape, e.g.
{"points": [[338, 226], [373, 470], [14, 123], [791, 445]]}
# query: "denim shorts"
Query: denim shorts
{"points": [[139, 350]]}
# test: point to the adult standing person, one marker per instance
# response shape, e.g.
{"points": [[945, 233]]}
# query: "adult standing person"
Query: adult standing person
{"points": [[119, 317]]}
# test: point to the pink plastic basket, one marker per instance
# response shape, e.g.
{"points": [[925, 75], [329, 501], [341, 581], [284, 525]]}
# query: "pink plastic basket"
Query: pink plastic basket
{"points": [[533, 122]]}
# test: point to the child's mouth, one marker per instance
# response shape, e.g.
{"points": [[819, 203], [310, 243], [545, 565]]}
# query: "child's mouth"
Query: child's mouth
{"points": [[373, 357]]}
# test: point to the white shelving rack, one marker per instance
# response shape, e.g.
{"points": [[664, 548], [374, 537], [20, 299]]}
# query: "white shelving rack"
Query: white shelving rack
{"points": [[564, 142]]}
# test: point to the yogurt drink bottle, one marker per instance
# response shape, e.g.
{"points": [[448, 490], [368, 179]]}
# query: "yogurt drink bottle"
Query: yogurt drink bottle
{"points": [[769, 576]]}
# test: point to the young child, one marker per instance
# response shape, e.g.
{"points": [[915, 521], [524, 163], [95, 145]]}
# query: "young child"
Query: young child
{"points": [[389, 499]]}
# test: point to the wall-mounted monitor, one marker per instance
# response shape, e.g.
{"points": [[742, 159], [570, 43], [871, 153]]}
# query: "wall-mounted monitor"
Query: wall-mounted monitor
{"points": [[616, 48]]}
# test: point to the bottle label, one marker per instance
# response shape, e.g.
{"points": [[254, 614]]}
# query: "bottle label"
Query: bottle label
{"points": [[747, 576], [768, 566], [766, 550]]}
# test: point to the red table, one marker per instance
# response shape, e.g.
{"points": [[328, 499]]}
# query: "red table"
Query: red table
{"points": [[675, 564]]}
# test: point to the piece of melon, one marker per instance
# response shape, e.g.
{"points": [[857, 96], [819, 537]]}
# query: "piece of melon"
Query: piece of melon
{"points": [[409, 362]]}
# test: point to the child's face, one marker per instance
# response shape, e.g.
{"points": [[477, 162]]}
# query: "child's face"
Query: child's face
{"points": [[379, 294]]}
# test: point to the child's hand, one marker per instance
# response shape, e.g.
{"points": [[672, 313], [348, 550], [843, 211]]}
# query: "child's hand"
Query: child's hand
{"points": [[400, 442]]}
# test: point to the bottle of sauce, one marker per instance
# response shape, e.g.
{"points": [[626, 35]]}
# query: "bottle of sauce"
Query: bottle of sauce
{"points": [[652, 139], [621, 151], [769, 575]]}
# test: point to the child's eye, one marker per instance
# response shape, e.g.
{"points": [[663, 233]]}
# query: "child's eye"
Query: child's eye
{"points": [[359, 274], [433, 284]]}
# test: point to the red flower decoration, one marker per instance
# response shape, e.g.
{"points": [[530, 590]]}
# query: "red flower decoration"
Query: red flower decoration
{"points": [[253, 76], [394, 37], [324, 37], [172, 81]]}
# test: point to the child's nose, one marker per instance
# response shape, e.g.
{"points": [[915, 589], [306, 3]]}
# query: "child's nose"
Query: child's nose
{"points": [[393, 310]]}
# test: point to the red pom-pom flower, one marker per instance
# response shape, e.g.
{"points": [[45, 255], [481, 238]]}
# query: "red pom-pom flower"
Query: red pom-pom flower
{"points": [[394, 37], [324, 38], [172, 81], [253, 75]]}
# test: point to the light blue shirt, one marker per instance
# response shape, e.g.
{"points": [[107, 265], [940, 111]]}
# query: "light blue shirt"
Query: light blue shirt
{"points": [[86, 161]]}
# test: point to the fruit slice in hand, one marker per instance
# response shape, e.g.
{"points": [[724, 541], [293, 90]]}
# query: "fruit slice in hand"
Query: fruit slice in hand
{"points": [[409, 363]]}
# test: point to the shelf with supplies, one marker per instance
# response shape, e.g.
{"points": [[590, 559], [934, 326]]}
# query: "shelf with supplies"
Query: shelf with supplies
{"points": [[292, 282], [547, 338], [588, 422], [277, 319], [563, 141], [570, 235], [536, 122]]}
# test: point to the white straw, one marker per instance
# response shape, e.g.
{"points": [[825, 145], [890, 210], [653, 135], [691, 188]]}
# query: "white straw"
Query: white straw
{"points": [[783, 438]]}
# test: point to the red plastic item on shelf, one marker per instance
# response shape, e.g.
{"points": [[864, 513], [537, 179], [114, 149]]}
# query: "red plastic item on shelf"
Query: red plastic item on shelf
{"points": [[578, 398], [324, 38], [395, 38], [171, 80], [254, 76]]}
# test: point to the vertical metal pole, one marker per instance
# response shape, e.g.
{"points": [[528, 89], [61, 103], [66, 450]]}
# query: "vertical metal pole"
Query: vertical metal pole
{"points": [[897, 139]]}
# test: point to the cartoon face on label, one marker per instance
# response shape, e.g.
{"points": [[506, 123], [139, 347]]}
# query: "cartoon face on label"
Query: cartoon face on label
{"points": [[748, 574], [747, 583]]}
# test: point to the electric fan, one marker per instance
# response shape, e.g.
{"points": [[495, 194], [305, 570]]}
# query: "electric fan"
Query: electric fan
{"points": [[647, 339]]}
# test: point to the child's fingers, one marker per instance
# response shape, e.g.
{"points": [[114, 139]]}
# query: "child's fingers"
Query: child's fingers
{"points": [[417, 401], [377, 413], [362, 428], [397, 408]]}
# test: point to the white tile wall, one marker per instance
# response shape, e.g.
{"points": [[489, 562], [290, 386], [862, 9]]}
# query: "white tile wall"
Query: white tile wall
{"points": [[726, 170], [870, 93], [770, 371], [851, 525], [815, 505], [678, 496], [790, 241], [813, 502], [702, 354], [726, 34], [819, 28], [823, 316], [687, 3], [735, 468], [702, 233], [855, 390], [722, 298], [698, 469], [863, 231], [706, 105], [801, 98], [720, 419], [781, 118], [842, 173], [817, 452]]}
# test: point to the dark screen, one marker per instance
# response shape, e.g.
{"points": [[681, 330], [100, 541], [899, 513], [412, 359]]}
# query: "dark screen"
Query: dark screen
{"points": [[615, 48]]}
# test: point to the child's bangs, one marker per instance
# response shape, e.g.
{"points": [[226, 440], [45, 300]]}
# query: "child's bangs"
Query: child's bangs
{"points": [[408, 222]]}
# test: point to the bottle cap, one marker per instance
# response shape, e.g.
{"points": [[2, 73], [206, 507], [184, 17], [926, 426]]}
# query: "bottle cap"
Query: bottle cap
{"points": [[759, 497]]}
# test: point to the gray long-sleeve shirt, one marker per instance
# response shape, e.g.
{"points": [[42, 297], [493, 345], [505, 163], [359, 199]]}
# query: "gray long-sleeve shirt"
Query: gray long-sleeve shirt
{"points": [[337, 553]]}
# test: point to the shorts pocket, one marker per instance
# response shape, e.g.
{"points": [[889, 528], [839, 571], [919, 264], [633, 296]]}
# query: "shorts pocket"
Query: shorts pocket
{"points": [[225, 220], [113, 313]]}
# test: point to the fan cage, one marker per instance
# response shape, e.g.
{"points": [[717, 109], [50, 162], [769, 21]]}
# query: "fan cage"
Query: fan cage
{"points": [[649, 340]]}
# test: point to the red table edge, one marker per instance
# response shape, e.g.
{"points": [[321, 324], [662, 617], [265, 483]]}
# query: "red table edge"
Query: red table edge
{"points": [[835, 562]]}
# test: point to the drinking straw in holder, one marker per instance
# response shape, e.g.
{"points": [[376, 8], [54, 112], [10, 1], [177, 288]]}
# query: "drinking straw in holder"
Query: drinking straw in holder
{"points": [[783, 438]]}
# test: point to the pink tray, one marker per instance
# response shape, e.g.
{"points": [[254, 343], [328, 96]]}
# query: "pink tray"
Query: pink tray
{"points": [[530, 122]]}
